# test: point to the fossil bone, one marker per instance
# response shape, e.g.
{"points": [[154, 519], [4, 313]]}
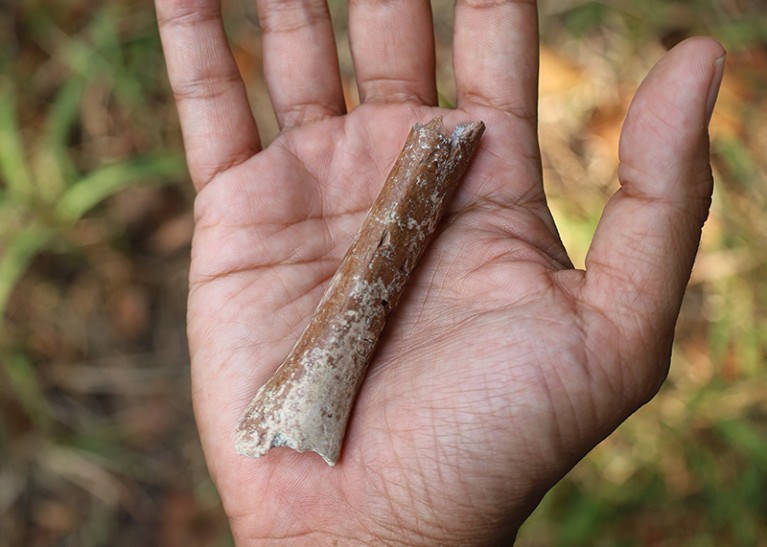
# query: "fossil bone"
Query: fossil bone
{"points": [[306, 404]]}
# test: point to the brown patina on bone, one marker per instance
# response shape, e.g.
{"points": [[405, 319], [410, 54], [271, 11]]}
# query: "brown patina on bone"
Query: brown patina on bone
{"points": [[306, 404]]}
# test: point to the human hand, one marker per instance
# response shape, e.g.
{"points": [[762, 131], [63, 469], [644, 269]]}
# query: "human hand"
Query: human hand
{"points": [[502, 365]]}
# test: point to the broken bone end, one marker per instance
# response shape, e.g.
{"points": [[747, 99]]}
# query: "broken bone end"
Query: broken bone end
{"points": [[468, 132], [257, 443]]}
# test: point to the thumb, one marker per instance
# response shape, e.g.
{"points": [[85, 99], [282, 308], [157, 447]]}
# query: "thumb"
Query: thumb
{"points": [[645, 244]]}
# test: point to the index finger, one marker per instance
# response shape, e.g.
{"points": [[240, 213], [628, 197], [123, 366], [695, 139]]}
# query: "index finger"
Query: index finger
{"points": [[216, 120]]}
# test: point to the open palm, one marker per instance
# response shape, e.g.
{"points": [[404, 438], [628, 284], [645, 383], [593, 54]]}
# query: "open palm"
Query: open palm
{"points": [[503, 365]]}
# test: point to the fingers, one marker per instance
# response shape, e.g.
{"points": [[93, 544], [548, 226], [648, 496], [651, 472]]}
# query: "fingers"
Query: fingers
{"points": [[300, 60], [392, 46], [495, 55], [218, 127], [643, 250]]}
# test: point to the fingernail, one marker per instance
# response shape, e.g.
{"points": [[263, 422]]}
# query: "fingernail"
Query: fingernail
{"points": [[716, 82]]}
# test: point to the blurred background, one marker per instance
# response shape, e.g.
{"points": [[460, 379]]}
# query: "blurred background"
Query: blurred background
{"points": [[97, 438]]}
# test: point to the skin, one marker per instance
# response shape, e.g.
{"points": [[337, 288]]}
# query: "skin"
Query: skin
{"points": [[503, 365]]}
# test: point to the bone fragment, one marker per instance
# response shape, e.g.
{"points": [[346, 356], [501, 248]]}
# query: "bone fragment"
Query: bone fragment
{"points": [[305, 405]]}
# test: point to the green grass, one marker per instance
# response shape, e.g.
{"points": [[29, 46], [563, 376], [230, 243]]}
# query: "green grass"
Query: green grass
{"points": [[45, 191], [97, 440], [79, 128]]}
